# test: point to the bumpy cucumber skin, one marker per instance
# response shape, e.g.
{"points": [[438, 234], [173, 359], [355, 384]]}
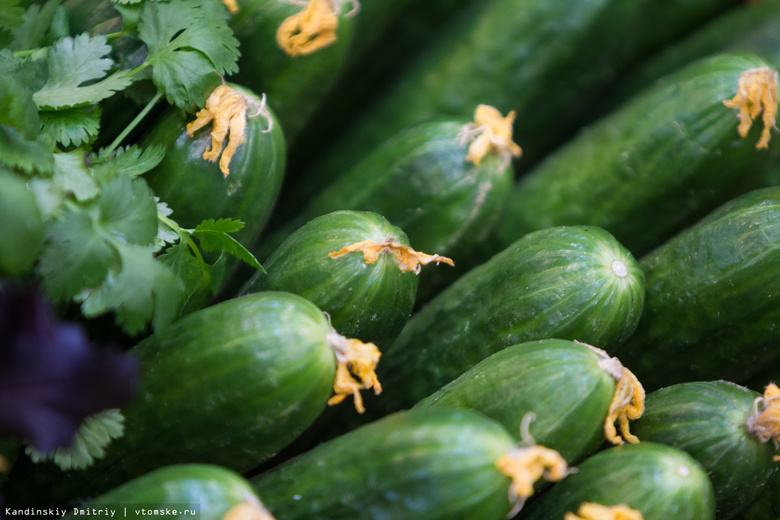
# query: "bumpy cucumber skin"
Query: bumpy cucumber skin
{"points": [[557, 283], [707, 420], [559, 381], [662, 482], [195, 189], [658, 164], [550, 61], [710, 306], [21, 235], [432, 464], [294, 85], [421, 182], [229, 385], [368, 302], [210, 490]]}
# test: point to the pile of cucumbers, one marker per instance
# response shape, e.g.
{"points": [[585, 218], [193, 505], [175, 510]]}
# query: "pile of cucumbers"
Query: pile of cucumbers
{"points": [[446, 327]]}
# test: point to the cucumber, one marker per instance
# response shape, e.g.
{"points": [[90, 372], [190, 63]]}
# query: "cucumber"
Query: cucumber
{"points": [[656, 165], [568, 283], [198, 490], [371, 302], [195, 188], [565, 385], [421, 182], [661, 482], [767, 505], [295, 85], [21, 235], [710, 303], [548, 60], [431, 464], [708, 420], [229, 385]]}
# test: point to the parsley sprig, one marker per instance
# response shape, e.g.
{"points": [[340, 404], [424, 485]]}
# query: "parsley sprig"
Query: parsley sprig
{"points": [[111, 247]]}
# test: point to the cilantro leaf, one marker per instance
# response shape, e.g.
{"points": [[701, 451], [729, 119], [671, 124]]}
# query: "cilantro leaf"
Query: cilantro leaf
{"points": [[194, 273], [213, 236], [142, 290], [187, 44], [71, 176], [28, 156], [75, 256], [36, 22], [17, 108], [130, 161], [72, 126], [128, 211], [74, 61]]}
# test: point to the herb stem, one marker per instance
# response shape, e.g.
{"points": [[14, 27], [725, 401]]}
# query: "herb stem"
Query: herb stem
{"points": [[121, 137]]}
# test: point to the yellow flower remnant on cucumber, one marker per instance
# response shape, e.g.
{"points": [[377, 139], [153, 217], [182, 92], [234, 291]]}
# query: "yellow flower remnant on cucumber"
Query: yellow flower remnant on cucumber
{"points": [[228, 109], [490, 133], [231, 5], [313, 27], [527, 465], [764, 423], [248, 511], [628, 403], [591, 511], [405, 257], [5, 466], [756, 92], [358, 358]]}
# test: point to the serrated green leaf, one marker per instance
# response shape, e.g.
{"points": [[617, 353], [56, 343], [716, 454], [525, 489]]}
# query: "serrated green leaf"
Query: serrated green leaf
{"points": [[73, 62], [71, 176], [10, 19], [48, 196], [187, 45], [143, 290], [17, 108], [72, 126], [212, 237], [223, 225], [194, 274], [36, 22], [74, 256], [27, 156], [89, 443], [130, 161], [128, 211]]}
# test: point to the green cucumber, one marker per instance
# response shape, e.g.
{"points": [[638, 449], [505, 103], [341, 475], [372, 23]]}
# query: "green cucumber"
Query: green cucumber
{"points": [[21, 235], [661, 482], [564, 385], [421, 182], [195, 189], [708, 421], [548, 60], [656, 165], [230, 385], [369, 302], [432, 464], [710, 307], [198, 490], [295, 85], [767, 505], [568, 283]]}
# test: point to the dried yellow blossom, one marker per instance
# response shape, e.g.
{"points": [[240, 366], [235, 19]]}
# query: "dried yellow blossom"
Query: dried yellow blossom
{"points": [[756, 91], [407, 258], [312, 28], [527, 465], [491, 132], [358, 358], [227, 108], [231, 5], [628, 403], [591, 511], [248, 511], [764, 423]]}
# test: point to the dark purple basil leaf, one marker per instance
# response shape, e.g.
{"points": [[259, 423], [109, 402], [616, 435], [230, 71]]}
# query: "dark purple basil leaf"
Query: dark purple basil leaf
{"points": [[51, 376]]}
